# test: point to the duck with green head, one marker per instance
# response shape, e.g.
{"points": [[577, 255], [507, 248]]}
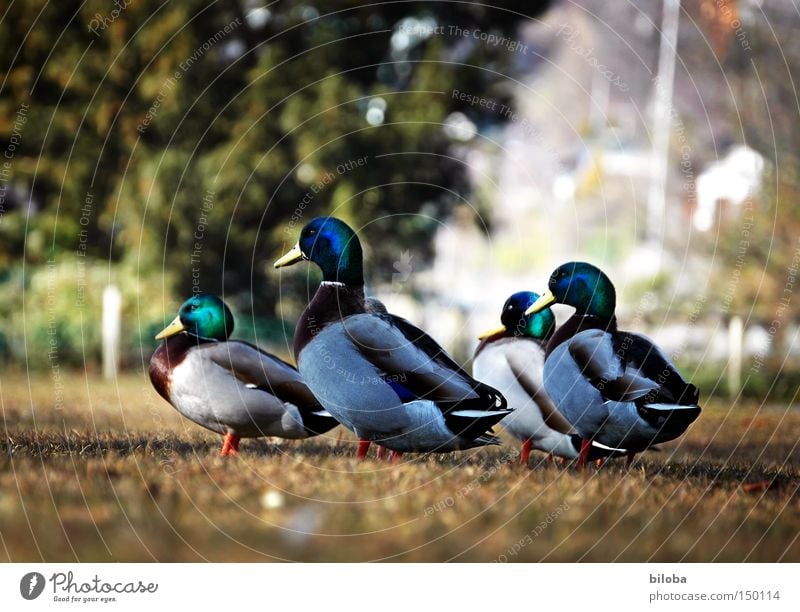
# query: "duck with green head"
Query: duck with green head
{"points": [[229, 386], [615, 387], [379, 375], [511, 359]]}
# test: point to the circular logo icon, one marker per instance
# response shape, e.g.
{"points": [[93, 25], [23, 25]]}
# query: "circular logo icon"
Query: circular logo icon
{"points": [[31, 585]]}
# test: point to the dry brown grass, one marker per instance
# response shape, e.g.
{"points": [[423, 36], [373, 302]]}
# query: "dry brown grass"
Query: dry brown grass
{"points": [[117, 475]]}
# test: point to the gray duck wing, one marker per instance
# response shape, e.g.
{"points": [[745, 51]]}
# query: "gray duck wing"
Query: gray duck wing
{"points": [[642, 356], [408, 355], [602, 365], [259, 369]]}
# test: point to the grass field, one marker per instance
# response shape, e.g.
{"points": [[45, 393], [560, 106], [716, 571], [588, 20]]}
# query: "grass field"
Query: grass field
{"points": [[110, 472]]}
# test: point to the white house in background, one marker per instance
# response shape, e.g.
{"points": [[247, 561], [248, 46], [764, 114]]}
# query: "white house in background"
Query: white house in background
{"points": [[733, 179]]}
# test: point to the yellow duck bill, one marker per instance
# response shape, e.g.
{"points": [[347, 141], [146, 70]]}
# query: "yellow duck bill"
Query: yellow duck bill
{"points": [[492, 332], [292, 257], [546, 299], [173, 328]]}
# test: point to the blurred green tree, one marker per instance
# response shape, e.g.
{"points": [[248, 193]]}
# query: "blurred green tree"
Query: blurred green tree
{"points": [[172, 143]]}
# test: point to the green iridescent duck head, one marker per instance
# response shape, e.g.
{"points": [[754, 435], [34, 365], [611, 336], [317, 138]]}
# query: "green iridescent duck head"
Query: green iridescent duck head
{"points": [[333, 246], [581, 285], [515, 321], [202, 315]]}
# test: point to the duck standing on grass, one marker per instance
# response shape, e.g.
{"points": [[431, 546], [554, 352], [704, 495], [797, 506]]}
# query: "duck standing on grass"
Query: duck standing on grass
{"points": [[379, 375], [229, 386], [511, 359], [614, 387]]}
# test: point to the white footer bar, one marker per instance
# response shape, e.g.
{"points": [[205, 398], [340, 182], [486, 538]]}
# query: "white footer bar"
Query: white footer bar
{"points": [[399, 587]]}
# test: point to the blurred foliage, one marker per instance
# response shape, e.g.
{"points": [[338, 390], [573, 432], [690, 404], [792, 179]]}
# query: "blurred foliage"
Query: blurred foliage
{"points": [[51, 315], [765, 385], [163, 137], [172, 143], [761, 70]]}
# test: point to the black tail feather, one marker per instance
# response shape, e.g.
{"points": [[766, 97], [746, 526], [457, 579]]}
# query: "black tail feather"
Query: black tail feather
{"points": [[471, 427]]}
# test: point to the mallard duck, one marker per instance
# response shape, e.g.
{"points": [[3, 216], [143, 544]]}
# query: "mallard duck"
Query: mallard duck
{"points": [[229, 386], [511, 359], [614, 387], [377, 374]]}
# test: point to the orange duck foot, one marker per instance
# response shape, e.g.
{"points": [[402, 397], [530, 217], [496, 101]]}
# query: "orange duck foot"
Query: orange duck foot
{"points": [[363, 447], [586, 446], [526, 452], [230, 447]]}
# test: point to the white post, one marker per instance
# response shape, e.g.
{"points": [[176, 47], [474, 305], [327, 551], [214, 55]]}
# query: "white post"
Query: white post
{"points": [[111, 330], [662, 110], [735, 350], [598, 103]]}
